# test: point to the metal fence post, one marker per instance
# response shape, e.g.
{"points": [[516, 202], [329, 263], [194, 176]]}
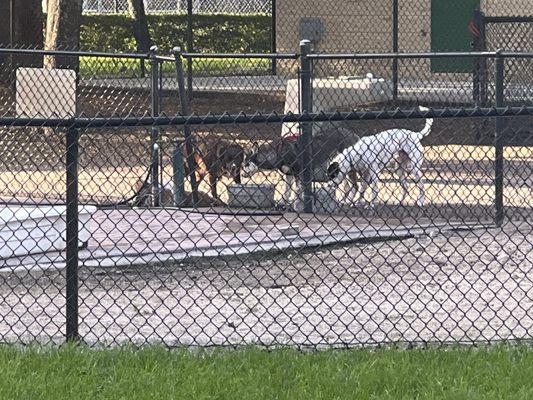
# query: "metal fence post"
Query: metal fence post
{"points": [[178, 175], [306, 137], [190, 47], [498, 141], [483, 75], [156, 103], [274, 45], [189, 140], [476, 46], [71, 239], [395, 49]]}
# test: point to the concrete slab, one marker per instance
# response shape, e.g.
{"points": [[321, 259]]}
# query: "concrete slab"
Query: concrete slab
{"points": [[133, 236]]}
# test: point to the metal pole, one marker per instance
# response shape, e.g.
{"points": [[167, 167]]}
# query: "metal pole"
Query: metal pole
{"points": [[476, 46], [156, 102], [72, 236], [306, 137], [274, 45], [498, 142], [190, 47], [395, 49], [189, 140], [178, 177], [12, 72], [483, 76]]}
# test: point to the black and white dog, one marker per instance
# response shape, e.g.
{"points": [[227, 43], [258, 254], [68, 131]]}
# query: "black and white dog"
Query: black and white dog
{"points": [[284, 155], [369, 156]]}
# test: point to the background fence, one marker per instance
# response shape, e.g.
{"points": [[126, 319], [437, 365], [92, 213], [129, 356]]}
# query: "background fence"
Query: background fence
{"points": [[109, 237], [180, 6]]}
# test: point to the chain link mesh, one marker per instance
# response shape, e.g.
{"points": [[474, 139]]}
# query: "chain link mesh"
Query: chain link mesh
{"points": [[180, 6], [196, 229]]}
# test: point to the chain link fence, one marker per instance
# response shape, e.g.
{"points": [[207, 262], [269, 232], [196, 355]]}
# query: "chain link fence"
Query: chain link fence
{"points": [[316, 211], [180, 6]]}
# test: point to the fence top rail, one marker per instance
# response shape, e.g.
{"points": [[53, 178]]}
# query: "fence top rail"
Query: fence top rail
{"points": [[371, 56], [507, 19], [272, 56], [228, 119], [74, 53]]}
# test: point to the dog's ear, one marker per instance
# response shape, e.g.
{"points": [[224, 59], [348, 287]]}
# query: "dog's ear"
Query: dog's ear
{"points": [[333, 170]]}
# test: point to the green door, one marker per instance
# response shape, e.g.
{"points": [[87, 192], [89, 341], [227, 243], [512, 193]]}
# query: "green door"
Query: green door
{"points": [[449, 32]]}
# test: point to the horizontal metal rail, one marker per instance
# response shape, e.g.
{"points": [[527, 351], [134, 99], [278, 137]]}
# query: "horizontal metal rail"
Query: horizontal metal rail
{"points": [[373, 56], [226, 119], [507, 19], [74, 53], [271, 56]]}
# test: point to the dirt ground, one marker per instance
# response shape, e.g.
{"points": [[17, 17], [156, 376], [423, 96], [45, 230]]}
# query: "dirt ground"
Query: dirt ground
{"points": [[463, 286]]}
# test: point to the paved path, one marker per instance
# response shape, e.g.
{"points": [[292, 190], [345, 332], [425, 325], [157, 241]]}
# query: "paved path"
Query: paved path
{"points": [[409, 90], [123, 237]]}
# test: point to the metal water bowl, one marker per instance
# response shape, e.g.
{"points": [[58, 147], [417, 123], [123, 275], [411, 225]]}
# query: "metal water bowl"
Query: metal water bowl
{"points": [[251, 196]]}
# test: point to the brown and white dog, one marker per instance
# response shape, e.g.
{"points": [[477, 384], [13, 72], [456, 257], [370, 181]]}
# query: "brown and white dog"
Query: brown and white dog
{"points": [[216, 157], [370, 155]]}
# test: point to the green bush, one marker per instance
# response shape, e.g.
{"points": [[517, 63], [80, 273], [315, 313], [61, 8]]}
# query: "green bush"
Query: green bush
{"points": [[220, 33]]}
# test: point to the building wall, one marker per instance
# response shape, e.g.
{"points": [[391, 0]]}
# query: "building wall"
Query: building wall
{"points": [[365, 25]]}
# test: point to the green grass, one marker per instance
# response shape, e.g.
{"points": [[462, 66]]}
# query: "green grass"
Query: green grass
{"points": [[107, 67], [156, 373]]}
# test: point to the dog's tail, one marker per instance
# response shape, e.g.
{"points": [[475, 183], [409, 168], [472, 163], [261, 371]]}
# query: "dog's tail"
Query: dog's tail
{"points": [[429, 123]]}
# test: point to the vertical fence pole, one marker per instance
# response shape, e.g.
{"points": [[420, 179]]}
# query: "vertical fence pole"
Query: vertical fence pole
{"points": [[274, 44], [498, 141], [306, 137], [190, 47], [476, 46], [72, 236], [477, 78], [156, 103], [395, 49], [483, 76], [189, 140], [178, 174]]}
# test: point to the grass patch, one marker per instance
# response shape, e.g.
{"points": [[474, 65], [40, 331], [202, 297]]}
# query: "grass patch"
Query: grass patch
{"points": [[105, 67], [80, 373]]}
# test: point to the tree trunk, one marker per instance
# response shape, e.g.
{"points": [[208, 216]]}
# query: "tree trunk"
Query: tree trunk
{"points": [[140, 25], [63, 32]]}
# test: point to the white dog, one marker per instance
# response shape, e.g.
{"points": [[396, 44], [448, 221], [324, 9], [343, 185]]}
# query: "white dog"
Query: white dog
{"points": [[371, 154]]}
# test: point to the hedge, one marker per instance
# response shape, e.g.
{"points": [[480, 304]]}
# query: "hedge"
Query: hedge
{"points": [[212, 32]]}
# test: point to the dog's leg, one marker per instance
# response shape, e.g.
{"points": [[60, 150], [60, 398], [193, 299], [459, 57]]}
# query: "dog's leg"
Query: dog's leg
{"points": [[213, 183], [351, 183], [362, 189], [404, 167], [417, 158], [402, 176], [288, 180], [237, 178], [299, 198], [417, 174], [373, 181]]}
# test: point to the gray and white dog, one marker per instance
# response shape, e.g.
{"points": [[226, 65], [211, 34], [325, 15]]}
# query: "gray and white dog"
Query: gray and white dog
{"points": [[284, 155]]}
